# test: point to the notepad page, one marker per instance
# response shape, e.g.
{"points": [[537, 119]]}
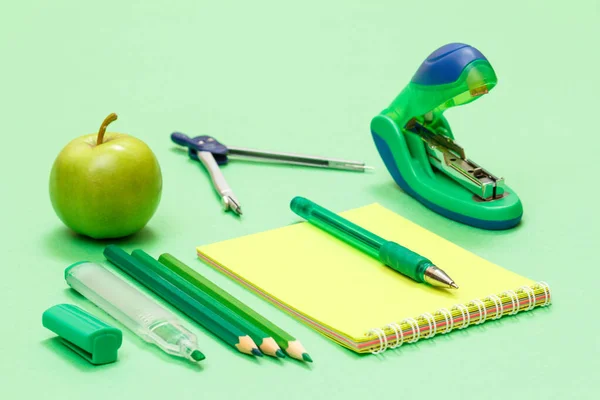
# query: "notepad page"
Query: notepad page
{"points": [[342, 288]]}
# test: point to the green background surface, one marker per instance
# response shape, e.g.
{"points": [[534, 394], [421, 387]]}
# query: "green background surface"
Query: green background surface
{"points": [[304, 77]]}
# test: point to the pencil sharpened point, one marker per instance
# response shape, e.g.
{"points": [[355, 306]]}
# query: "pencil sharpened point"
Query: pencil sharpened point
{"points": [[280, 354], [197, 356], [306, 357], [257, 352]]}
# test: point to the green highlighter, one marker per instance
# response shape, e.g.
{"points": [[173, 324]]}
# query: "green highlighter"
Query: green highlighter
{"points": [[395, 256]]}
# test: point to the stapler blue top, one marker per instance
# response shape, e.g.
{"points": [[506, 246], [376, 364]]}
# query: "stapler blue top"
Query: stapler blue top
{"points": [[417, 145]]}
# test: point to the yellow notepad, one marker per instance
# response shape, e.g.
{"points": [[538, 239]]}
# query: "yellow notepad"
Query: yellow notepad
{"points": [[359, 302]]}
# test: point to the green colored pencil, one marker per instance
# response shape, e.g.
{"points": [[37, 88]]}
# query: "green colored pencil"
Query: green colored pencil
{"points": [[287, 342], [265, 343], [221, 328]]}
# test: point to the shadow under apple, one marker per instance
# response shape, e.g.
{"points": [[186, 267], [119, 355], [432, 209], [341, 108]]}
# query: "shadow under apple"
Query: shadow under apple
{"points": [[71, 247]]}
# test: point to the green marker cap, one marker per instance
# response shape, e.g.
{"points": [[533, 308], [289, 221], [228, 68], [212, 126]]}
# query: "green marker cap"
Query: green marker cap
{"points": [[83, 333]]}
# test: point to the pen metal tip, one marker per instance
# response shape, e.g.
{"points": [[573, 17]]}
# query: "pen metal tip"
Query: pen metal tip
{"points": [[256, 352], [368, 168], [436, 277]]}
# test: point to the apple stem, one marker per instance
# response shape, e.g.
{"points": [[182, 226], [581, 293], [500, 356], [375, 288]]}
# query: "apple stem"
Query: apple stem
{"points": [[111, 117]]}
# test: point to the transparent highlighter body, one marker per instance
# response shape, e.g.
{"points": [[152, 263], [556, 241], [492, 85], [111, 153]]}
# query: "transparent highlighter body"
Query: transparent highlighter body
{"points": [[136, 311]]}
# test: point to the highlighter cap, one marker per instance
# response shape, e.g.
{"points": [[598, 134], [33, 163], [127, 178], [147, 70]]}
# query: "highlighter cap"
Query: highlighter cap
{"points": [[83, 333]]}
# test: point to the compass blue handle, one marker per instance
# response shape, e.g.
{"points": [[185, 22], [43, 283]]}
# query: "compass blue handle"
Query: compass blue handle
{"points": [[183, 140], [201, 143]]}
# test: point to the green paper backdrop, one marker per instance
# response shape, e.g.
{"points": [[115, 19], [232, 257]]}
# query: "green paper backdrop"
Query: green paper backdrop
{"points": [[303, 77]]}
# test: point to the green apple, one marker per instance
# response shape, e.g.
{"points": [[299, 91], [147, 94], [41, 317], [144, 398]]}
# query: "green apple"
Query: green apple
{"points": [[105, 185]]}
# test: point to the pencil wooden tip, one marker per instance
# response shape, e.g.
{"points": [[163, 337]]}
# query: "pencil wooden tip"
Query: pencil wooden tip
{"points": [[269, 347], [247, 346], [296, 350]]}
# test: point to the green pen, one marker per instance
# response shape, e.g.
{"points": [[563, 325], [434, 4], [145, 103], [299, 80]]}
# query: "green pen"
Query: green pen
{"points": [[395, 256]]}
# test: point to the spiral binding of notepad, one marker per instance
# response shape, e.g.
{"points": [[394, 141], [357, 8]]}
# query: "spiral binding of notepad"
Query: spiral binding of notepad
{"points": [[459, 316]]}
